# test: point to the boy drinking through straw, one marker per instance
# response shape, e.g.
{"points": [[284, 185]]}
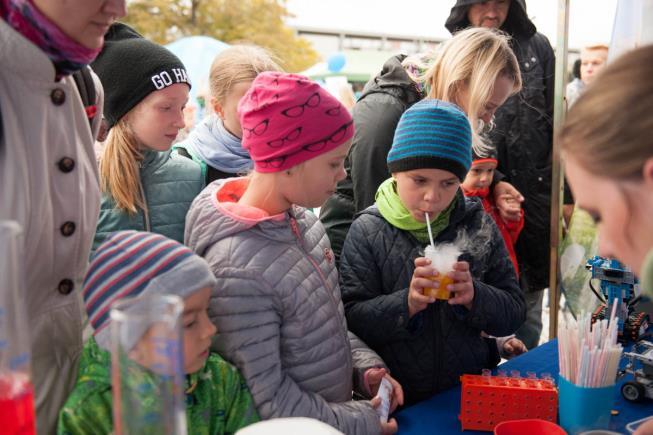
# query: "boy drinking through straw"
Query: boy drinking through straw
{"points": [[428, 343]]}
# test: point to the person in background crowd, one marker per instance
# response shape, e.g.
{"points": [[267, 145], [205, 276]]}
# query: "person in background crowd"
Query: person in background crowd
{"points": [[476, 70], [48, 175], [216, 142], [477, 184], [523, 137], [592, 60], [575, 86]]}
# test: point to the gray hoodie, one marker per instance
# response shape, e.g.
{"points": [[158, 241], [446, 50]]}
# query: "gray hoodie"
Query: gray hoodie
{"points": [[278, 310]]}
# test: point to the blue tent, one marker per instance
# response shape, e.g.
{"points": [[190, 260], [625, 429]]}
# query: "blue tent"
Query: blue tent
{"points": [[197, 54]]}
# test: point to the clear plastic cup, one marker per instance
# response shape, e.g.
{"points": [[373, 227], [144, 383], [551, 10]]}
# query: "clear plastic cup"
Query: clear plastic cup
{"points": [[147, 366], [443, 266], [16, 392]]}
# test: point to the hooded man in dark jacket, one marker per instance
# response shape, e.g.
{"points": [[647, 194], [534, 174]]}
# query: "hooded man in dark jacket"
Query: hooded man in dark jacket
{"points": [[523, 137], [376, 115]]}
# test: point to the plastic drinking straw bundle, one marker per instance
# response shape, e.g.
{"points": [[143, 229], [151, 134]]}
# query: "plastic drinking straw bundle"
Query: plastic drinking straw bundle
{"points": [[589, 356]]}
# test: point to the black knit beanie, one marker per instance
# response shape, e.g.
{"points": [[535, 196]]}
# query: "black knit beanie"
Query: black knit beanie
{"points": [[130, 67]]}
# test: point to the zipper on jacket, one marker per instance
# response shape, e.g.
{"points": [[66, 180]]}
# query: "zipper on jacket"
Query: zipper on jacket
{"points": [[146, 214], [295, 230]]}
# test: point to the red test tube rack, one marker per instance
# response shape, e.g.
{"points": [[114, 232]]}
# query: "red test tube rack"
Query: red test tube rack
{"points": [[488, 400]]}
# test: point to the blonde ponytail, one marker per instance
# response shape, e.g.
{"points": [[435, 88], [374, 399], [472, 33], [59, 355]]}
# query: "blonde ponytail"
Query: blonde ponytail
{"points": [[119, 169]]}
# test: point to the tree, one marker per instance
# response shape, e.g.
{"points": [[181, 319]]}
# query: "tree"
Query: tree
{"points": [[259, 22]]}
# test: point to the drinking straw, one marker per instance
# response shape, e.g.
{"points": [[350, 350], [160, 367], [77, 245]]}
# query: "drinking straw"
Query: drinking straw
{"points": [[589, 354], [428, 226]]}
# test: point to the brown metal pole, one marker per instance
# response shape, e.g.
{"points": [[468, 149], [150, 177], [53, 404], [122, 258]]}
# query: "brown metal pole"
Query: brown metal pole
{"points": [[557, 176]]}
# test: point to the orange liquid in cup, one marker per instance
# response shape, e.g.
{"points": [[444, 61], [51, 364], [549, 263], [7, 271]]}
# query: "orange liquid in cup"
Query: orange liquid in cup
{"points": [[440, 293]]}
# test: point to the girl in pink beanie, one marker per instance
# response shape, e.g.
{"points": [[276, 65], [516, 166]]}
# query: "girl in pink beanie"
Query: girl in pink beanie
{"points": [[277, 302]]}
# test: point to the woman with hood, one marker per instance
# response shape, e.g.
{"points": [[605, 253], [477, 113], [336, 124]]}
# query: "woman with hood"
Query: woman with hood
{"points": [[453, 76], [523, 135]]}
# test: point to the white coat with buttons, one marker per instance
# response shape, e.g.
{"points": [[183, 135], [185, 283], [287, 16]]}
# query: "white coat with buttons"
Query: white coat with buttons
{"points": [[45, 132]]}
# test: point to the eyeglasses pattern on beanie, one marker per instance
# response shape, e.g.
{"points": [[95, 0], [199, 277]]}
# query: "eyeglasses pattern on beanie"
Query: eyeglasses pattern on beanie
{"points": [[258, 129], [293, 135], [316, 146], [296, 111], [334, 111]]}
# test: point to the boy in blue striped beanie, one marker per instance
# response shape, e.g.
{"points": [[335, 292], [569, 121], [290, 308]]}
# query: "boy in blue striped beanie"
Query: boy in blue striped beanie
{"points": [[428, 343], [131, 264]]}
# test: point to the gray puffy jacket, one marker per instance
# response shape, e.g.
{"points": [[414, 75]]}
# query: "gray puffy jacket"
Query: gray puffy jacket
{"points": [[278, 311]]}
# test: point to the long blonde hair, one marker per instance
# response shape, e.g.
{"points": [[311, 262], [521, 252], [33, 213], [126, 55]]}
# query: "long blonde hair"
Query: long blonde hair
{"points": [[119, 168], [608, 129], [237, 64], [473, 60]]}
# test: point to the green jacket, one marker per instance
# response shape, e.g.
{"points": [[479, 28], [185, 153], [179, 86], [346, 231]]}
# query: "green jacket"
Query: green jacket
{"points": [[169, 182], [209, 174], [219, 402]]}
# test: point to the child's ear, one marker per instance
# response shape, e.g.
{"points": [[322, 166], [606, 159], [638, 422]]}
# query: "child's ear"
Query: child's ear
{"points": [[647, 172], [217, 107]]}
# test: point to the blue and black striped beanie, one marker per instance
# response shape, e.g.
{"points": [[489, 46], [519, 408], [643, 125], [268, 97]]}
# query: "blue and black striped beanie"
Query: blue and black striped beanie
{"points": [[133, 263], [432, 134]]}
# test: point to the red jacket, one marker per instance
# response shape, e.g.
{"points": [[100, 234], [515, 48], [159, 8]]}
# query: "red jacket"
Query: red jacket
{"points": [[509, 229]]}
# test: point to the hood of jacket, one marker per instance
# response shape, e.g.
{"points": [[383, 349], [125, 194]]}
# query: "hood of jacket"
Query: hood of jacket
{"points": [[517, 23], [393, 79], [215, 215]]}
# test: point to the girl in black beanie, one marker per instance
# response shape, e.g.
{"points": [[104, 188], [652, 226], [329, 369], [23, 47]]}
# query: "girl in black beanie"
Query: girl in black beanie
{"points": [[144, 187]]}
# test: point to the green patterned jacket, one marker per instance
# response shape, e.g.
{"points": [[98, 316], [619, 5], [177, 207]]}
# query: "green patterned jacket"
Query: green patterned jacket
{"points": [[218, 402]]}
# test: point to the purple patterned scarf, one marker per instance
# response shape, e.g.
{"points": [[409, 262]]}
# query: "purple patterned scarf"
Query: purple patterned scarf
{"points": [[66, 54]]}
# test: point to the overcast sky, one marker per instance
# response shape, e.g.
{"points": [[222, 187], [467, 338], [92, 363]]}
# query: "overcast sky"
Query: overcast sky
{"points": [[590, 21]]}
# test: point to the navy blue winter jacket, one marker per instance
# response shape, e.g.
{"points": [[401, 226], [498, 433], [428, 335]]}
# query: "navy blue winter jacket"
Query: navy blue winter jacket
{"points": [[430, 351]]}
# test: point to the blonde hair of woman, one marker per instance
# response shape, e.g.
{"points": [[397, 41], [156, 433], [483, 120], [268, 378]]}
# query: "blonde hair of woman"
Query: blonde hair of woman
{"points": [[465, 69]]}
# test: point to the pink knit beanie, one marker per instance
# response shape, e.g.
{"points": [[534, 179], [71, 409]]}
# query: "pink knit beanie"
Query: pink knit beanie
{"points": [[288, 119]]}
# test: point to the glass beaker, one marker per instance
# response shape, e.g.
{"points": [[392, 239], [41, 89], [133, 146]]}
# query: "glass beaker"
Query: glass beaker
{"points": [[16, 390], [147, 366]]}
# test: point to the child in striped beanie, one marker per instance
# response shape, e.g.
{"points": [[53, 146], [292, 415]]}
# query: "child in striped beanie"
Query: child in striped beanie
{"points": [[130, 264], [428, 343]]}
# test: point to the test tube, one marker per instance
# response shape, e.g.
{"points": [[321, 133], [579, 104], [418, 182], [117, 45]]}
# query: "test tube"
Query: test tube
{"points": [[147, 366], [16, 390], [501, 377], [548, 379], [531, 379]]}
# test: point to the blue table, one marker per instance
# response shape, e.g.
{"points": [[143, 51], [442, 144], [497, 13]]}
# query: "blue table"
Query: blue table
{"points": [[439, 414]]}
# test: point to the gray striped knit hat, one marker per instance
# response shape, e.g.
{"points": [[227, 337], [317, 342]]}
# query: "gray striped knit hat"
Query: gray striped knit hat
{"points": [[432, 134], [132, 263]]}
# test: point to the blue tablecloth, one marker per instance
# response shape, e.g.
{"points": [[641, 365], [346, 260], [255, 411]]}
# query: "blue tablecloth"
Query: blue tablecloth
{"points": [[439, 414]]}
